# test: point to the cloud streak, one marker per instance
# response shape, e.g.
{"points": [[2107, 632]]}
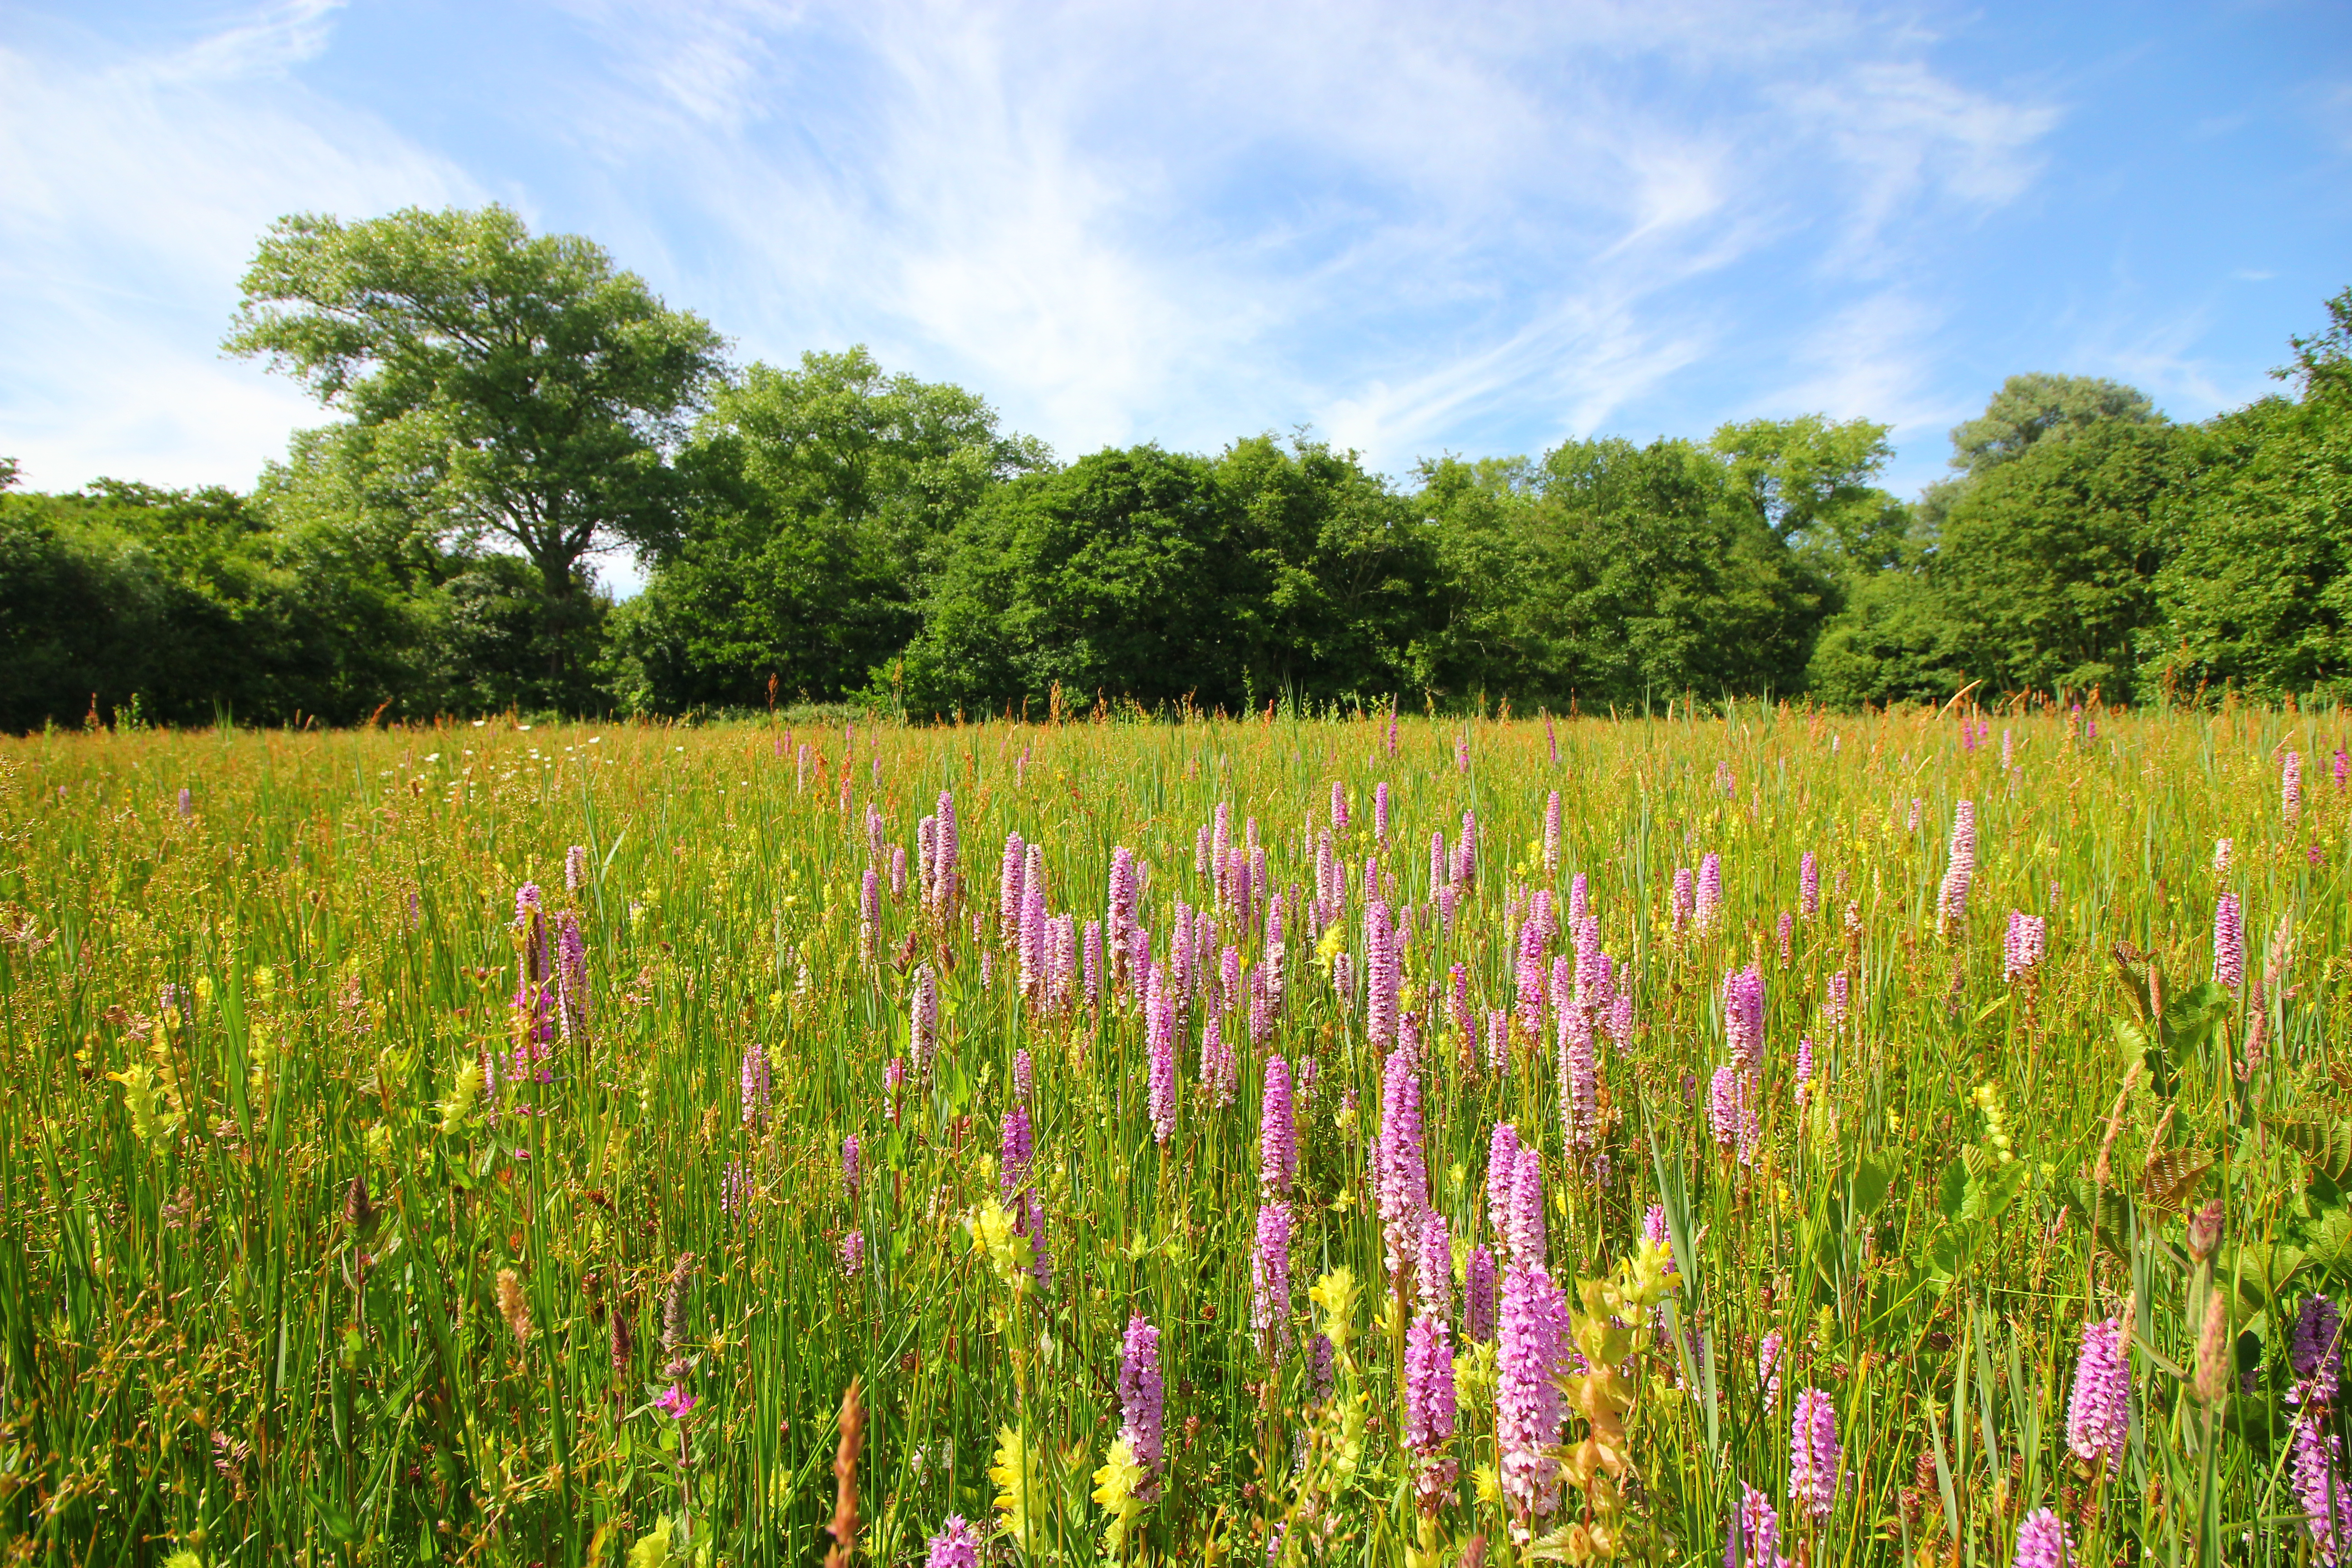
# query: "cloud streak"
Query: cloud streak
{"points": [[1479, 230]]}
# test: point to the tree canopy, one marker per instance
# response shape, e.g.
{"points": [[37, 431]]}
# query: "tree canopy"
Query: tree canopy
{"points": [[519, 386], [833, 531]]}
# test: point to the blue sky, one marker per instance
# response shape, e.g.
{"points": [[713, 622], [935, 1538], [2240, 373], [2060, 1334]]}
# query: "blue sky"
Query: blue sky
{"points": [[1415, 229]]}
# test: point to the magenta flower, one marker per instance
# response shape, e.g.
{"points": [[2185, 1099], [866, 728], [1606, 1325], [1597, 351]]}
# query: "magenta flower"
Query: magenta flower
{"points": [[1529, 1403], [1579, 1078], [2291, 786], [1960, 862], [2229, 942], [2320, 1488], [1752, 1537], [1380, 811], [869, 914], [1502, 1178], [1478, 1295], [955, 1546], [1552, 832], [1428, 1404], [1401, 1178], [1141, 1399], [849, 1167], [2316, 1351], [1094, 965], [1277, 1133], [1768, 1367], [853, 1253], [2098, 1415], [1743, 1017], [2041, 1541], [1803, 1088], [1685, 899], [1122, 908], [675, 1402], [1708, 910], [1012, 871], [1809, 886], [1320, 1375], [1270, 1277], [1031, 936], [923, 1033], [1836, 1005], [1160, 1026], [1465, 850], [1380, 980], [1813, 1454], [1014, 1149], [1724, 1107], [1434, 1266], [1527, 1229], [756, 1079], [2022, 949], [1220, 1074]]}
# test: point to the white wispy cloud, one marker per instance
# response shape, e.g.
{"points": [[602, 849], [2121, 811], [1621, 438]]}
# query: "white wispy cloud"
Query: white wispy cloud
{"points": [[1191, 221], [131, 191], [1414, 228]]}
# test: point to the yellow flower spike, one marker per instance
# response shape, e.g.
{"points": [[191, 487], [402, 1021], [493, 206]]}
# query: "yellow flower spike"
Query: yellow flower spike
{"points": [[990, 1227], [1117, 1482], [1335, 1293]]}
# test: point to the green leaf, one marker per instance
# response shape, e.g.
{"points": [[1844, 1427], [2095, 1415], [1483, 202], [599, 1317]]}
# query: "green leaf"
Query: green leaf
{"points": [[1989, 1195], [1953, 1190], [2325, 1147], [1872, 1177]]}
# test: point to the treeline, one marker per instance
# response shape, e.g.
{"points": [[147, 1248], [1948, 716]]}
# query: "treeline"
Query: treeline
{"points": [[829, 532]]}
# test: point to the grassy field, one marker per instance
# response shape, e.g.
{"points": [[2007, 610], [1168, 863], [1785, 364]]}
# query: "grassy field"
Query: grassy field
{"points": [[357, 1205]]}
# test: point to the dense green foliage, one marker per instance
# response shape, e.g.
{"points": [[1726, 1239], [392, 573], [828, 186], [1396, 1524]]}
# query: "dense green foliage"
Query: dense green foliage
{"points": [[835, 532], [1257, 575], [822, 499]]}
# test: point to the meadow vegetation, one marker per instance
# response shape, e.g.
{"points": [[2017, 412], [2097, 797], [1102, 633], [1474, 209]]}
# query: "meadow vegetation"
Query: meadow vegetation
{"points": [[1747, 1136]]}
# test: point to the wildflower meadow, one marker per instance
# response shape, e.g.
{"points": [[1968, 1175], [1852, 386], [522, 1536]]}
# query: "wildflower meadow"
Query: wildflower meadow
{"points": [[1755, 1137]]}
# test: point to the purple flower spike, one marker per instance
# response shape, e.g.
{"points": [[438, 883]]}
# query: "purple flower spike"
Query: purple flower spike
{"points": [[955, 1546], [2041, 1541], [1813, 1454], [2098, 1416], [1429, 1403], [1141, 1399]]}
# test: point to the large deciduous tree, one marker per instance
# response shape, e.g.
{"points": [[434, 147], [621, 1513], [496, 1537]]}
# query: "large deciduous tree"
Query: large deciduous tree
{"points": [[820, 497], [2258, 591], [521, 387]]}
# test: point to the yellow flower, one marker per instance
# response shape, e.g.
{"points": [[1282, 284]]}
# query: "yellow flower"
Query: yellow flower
{"points": [[1012, 1472], [1007, 1251], [1115, 1485], [652, 1550], [1336, 1294], [457, 1111], [138, 1081]]}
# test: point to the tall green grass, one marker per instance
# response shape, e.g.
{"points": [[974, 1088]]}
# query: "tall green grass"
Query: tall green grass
{"points": [[215, 1346]]}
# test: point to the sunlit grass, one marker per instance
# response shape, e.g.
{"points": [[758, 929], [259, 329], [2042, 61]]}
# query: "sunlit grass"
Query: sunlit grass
{"points": [[256, 1224]]}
